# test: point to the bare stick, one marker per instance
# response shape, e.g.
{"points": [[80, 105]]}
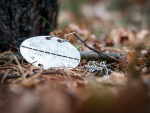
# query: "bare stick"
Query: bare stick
{"points": [[99, 52]]}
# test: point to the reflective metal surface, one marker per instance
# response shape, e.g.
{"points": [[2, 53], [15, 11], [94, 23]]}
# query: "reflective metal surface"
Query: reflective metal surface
{"points": [[49, 51]]}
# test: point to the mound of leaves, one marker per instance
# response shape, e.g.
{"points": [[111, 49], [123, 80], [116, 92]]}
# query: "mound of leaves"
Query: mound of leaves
{"points": [[29, 89]]}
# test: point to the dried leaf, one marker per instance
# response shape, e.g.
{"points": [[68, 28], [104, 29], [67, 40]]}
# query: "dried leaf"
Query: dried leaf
{"points": [[51, 33], [123, 62], [143, 34], [131, 57], [72, 39], [141, 61], [60, 34]]}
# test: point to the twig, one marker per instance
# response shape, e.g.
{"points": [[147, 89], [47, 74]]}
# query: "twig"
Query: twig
{"points": [[99, 52]]}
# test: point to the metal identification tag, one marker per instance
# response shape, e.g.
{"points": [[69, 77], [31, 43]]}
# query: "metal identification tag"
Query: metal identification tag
{"points": [[50, 51]]}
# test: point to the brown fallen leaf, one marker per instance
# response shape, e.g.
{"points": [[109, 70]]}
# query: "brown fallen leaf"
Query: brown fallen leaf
{"points": [[123, 62], [51, 33], [131, 57], [59, 34], [141, 61], [71, 38], [122, 35]]}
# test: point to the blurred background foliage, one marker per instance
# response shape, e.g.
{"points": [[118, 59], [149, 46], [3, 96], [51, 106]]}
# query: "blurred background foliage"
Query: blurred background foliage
{"points": [[101, 16]]}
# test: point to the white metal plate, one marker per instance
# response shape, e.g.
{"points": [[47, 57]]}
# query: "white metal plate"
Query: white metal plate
{"points": [[49, 52]]}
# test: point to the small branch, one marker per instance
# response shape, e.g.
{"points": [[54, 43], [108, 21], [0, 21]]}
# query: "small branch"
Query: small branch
{"points": [[99, 52]]}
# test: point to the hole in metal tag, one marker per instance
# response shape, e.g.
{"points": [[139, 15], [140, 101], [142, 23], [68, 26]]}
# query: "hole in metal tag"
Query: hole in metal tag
{"points": [[49, 52]]}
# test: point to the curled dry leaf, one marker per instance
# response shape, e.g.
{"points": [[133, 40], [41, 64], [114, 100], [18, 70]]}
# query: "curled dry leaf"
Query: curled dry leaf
{"points": [[131, 57], [123, 62], [71, 38], [59, 34], [80, 31], [121, 36]]}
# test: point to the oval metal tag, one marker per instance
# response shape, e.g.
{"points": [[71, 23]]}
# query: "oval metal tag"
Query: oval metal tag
{"points": [[49, 51]]}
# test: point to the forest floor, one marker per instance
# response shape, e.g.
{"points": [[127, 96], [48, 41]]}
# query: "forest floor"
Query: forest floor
{"points": [[28, 89]]}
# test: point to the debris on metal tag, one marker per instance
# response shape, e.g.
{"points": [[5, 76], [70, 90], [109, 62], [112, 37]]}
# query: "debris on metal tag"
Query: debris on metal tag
{"points": [[50, 51]]}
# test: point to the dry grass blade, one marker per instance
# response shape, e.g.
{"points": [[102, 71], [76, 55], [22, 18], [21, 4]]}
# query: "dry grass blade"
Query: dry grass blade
{"points": [[66, 69], [20, 67], [9, 60], [5, 75]]}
